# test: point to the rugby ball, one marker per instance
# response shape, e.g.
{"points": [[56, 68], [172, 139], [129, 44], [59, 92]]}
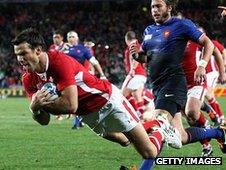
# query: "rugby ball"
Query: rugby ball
{"points": [[51, 87]]}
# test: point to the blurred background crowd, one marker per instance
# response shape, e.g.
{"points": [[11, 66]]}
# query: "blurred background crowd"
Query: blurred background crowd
{"points": [[105, 22]]}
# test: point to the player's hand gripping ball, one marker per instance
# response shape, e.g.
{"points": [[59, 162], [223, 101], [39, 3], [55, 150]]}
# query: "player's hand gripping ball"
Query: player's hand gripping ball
{"points": [[52, 90]]}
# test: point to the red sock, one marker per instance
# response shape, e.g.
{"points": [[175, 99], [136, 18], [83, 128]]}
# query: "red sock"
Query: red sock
{"points": [[150, 124], [132, 101], [140, 107], [216, 107], [205, 142], [212, 115], [201, 121], [156, 138]]}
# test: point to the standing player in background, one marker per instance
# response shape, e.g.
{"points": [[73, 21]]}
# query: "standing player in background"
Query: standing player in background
{"points": [[215, 70], [81, 53], [162, 49], [134, 83], [101, 105], [58, 41], [197, 92]]}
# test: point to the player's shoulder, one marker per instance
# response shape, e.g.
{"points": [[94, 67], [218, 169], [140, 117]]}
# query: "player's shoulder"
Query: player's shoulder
{"points": [[184, 21], [149, 29], [55, 54], [81, 46]]}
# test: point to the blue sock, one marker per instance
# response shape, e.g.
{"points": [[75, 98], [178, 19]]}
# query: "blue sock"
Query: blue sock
{"points": [[147, 164], [199, 134], [76, 121]]}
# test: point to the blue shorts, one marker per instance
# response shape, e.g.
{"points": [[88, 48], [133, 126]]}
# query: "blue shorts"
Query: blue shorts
{"points": [[171, 94]]}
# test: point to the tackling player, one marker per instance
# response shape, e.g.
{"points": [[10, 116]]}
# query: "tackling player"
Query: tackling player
{"points": [[162, 49]]}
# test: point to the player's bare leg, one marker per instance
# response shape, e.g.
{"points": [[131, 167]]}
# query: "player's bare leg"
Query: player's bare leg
{"points": [[215, 105], [117, 137]]}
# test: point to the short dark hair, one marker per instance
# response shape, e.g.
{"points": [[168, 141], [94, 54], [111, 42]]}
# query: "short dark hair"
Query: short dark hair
{"points": [[130, 35], [32, 37], [173, 4], [58, 32]]}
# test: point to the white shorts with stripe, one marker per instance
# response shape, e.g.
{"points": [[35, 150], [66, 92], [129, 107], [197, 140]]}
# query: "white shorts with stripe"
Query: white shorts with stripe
{"points": [[117, 115], [212, 78], [134, 82], [198, 92]]}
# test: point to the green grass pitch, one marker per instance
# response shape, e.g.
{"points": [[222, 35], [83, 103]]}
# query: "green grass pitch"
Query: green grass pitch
{"points": [[24, 144]]}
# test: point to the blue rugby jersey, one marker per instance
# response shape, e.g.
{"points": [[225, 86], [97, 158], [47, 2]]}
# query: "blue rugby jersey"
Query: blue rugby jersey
{"points": [[165, 44], [79, 52]]}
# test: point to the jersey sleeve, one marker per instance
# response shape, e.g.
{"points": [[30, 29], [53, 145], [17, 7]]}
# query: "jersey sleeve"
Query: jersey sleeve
{"points": [[218, 45], [190, 30], [64, 73], [29, 90], [87, 53], [143, 44]]}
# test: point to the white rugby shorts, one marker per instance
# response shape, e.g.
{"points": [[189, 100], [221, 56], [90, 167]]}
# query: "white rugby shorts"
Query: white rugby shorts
{"points": [[135, 82], [212, 78], [117, 115], [198, 92]]}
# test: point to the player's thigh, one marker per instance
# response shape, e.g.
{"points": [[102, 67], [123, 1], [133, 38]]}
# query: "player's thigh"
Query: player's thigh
{"points": [[194, 102], [171, 94], [193, 105], [117, 137], [117, 115]]}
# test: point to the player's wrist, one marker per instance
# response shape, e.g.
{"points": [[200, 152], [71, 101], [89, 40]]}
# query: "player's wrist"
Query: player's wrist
{"points": [[202, 63], [34, 109]]}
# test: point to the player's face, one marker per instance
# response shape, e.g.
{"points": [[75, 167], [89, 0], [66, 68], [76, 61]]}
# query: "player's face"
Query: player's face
{"points": [[160, 11], [26, 56], [72, 40], [57, 39]]}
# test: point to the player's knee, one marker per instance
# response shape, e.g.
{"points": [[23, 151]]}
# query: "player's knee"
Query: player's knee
{"points": [[149, 154], [192, 115]]}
